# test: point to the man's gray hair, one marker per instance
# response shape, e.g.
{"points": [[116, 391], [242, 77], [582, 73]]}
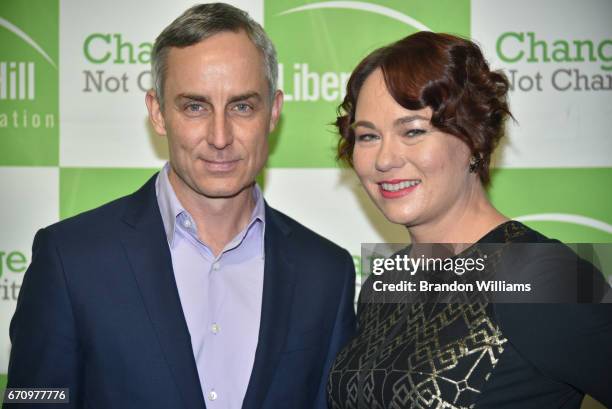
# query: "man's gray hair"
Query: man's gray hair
{"points": [[203, 21]]}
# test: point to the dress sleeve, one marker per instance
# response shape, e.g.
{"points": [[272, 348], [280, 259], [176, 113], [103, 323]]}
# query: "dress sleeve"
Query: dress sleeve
{"points": [[566, 333], [569, 343]]}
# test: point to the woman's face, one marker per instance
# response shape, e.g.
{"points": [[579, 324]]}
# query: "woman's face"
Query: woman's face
{"points": [[414, 173]]}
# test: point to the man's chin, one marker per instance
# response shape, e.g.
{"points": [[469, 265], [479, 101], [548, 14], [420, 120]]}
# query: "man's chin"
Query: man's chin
{"points": [[224, 192]]}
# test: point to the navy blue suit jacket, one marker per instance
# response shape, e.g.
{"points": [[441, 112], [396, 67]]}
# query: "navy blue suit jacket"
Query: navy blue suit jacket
{"points": [[99, 313]]}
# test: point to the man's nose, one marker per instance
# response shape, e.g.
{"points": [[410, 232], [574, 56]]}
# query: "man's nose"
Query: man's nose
{"points": [[220, 134]]}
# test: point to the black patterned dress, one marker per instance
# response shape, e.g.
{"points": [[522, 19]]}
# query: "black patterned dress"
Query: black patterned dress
{"points": [[477, 355]]}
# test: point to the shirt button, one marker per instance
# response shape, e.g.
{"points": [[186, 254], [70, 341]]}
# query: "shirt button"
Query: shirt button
{"points": [[212, 395], [187, 223], [215, 328], [216, 266]]}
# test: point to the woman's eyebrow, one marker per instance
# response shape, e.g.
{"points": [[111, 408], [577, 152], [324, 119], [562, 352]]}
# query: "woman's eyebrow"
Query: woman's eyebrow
{"points": [[409, 118]]}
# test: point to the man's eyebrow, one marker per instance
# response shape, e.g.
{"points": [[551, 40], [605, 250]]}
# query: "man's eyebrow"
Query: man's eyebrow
{"points": [[236, 98], [193, 97], [245, 96]]}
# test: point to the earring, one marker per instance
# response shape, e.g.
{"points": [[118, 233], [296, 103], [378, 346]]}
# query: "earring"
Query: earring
{"points": [[475, 162]]}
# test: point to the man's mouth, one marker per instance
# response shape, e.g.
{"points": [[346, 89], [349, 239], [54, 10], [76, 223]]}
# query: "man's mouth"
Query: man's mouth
{"points": [[221, 165]]}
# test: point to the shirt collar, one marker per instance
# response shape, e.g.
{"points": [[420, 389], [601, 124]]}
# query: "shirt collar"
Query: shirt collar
{"points": [[170, 207]]}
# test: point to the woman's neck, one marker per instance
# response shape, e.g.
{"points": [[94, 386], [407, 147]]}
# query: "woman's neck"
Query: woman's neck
{"points": [[464, 223]]}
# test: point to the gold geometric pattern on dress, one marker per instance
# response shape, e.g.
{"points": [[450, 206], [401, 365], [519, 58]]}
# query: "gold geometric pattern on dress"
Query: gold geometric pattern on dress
{"points": [[415, 349]]}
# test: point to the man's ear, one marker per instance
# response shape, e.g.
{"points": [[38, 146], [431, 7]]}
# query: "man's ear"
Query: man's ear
{"points": [[277, 106], [155, 112]]}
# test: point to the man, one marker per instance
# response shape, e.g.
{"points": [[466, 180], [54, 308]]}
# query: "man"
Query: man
{"points": [[191, 292]]}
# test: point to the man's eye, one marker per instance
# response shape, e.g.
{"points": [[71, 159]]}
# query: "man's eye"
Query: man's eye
{"points": [[414, 132], [368, 137], [194, 107], [243, 108]]}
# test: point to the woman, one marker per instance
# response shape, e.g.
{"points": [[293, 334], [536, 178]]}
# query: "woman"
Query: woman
{"points": [[419, 124]]}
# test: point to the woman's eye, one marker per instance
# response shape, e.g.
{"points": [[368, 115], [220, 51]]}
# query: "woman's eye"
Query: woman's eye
{"points": [[414, 132], [366, 137]]}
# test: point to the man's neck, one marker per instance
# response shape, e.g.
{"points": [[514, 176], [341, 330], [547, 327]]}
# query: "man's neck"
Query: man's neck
{"points": [[218, 220]]}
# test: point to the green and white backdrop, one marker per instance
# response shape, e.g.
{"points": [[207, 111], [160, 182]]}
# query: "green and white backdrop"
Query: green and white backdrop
{"points": [[74, 131]]}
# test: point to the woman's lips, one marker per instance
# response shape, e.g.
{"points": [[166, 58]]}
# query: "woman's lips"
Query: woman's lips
{"points": [[391, 189]]}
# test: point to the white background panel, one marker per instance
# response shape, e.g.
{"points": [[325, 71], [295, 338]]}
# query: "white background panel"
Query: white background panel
{"points": [[555, 128], [333, 203], [110, 129], [30, 200]]}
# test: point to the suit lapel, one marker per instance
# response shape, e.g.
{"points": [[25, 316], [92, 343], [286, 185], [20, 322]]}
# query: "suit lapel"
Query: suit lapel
{"points": [[145, 242], [277, 297]]}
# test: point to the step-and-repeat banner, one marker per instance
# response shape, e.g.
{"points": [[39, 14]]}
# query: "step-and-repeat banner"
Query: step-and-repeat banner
{"points": [[74, 131]]}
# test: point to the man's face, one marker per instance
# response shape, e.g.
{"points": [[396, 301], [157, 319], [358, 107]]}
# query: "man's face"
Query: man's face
{"points": [[217, 115]]}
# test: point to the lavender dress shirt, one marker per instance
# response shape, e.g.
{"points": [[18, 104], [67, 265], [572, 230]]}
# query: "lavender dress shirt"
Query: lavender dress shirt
{"points": [[220, 296]]}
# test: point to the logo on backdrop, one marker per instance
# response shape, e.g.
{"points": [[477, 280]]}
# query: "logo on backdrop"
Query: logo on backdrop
{"points": [[115, 51], [575, 219], [306, 85], [12, 265], [29, 102], [578, 64]]}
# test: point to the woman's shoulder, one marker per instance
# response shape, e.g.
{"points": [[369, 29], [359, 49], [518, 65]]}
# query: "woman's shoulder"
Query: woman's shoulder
{"points": [[556, 272], [514, 231]]}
